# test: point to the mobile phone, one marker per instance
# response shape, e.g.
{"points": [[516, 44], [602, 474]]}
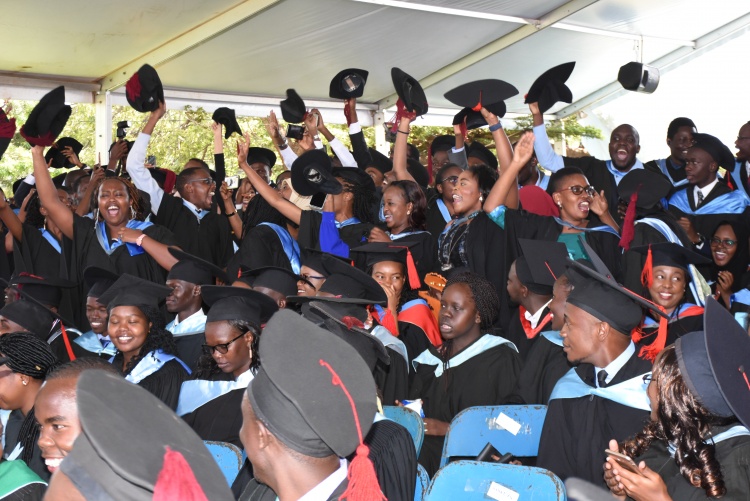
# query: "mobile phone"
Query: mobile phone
{"points": [[151, 160], [317, 201], [233, 182], [626, 462]]}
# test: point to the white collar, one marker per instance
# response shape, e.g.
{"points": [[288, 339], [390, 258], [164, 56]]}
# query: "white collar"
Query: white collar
{"points": [[324, 489], [534, 319], [705, 190], [195, 316], [615, 365]]}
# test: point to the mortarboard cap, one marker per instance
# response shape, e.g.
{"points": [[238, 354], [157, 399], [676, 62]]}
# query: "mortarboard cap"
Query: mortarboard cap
{"points": [[277, 279], [313, 259], [130, 290], [474, 119], [33, 317], [550, 87], [650, 187], [380, 161], [47, 120], [480, 93], [481, 152], [398, 252], [713, 146], [409, 91], [46, 290], [669, 254], [237, 303], [261, 155], [144, 91], [542, 263], [348, 83], [55, 153], [116, 456], [7, 131], [226, 117], [354, 176], [312, 173], [346, 283], [293, 107], [294, 394], [194, 270], [98, 280]]}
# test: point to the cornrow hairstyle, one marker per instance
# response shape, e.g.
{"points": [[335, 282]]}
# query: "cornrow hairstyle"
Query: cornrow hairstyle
{"points": [[483, 294], [74, 368], [207, 365], [34, 215], [28, 355], [413, 194], [365, 202], [187, 174], [158, 337], [683, 421], [133, 196], [485, 177], [260, 211], [556, 179]]}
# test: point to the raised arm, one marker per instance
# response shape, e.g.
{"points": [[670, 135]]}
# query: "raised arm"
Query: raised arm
{"points": [[499, 195], [400, 151], [56, 210], [457, 154], [154, 248], [343, 154], [15, 226], [231, 211], [84, 205], [280, 142], [544, 152], [287, 208], [137, 158]]}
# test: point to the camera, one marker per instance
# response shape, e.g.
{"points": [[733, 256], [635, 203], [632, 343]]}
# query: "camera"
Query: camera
{"points": [[295, 131], [121, 127], [233, 182]]}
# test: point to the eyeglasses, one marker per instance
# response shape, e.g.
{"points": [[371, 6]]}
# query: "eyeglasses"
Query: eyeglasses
{"points": [[647, 378], [221, 348], [450, 179], [578, 190], [307, 277], [727, 242], [205, 180]]}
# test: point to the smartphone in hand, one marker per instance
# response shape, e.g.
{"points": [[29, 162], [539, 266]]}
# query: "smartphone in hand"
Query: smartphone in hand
{"points": [[625, 462]]}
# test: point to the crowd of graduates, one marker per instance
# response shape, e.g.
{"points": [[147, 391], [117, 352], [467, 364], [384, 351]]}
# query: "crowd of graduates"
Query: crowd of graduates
{"points": [[148, 309]]}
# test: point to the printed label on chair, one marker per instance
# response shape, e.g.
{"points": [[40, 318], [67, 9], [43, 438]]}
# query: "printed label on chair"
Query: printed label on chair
{"points": [[501, 493], [508, 423]]}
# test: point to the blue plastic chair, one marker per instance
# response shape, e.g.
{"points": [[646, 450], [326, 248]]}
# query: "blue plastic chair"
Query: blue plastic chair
{"points": [[472, 480], [474, 427], [229, 458], [409, 420], [423, 481]]}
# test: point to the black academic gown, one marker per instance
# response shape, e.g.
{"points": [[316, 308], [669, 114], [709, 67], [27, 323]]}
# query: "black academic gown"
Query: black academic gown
{"points": [[190, 348], [705, 224], [732, 454], [516, 334], [352, 235], [488, 378], [209, 238], [577, 430], [393, 379], [414, 339], [675, 174], [255, 491], [435, 220], [676, 328], [165, 383], [545, 364], [12, 429], [423, 247], [259, 248], [219, 419]]}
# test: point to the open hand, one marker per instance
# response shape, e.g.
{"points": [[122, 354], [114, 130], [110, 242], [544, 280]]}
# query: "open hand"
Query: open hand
{"points": [[598, 204]]}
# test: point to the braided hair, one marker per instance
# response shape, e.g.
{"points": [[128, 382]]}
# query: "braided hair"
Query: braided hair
{"points": [[260, 211], [365, 202], [158, 337], [135, 198], [26, 354], [207, 365], [34, 215]]}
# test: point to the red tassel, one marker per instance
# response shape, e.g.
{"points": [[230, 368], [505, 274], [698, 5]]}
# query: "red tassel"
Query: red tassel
{"points": [[347, 114], [647, 275], [401, 111], [478, 106], [66, 339], [46, 140], [628, 225], [411, 269], [351, 322], [464, 130], [652, 350], [176, 480], [133, 87]]}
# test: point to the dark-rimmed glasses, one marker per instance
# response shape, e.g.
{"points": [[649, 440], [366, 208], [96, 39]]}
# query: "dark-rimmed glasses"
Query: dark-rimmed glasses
{"points": [[221, 348], [450, 179], [647, 378], [727, 242], [578, 190]]}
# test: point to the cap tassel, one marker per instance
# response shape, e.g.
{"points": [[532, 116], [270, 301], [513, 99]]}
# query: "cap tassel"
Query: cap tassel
{"points": [[363, 482], [402, 112], [647, 275], [347, 114], [133, 87], [628, 225], [478, 106], [176, 480], [411, 269], [652, 350], [68, 346], [464, 130]]}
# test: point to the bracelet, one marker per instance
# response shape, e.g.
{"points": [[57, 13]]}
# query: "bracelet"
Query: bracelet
{"points": [[402, 132], [232, 214], [495, 127], [139, 240]]}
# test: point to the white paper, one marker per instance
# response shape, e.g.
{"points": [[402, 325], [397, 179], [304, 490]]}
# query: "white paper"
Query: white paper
{"points": [[508, 423], [501, 493]]}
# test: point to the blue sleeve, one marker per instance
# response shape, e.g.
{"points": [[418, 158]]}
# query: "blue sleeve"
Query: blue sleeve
{"points": [[330, 241], [498, 216], [545, 155]]}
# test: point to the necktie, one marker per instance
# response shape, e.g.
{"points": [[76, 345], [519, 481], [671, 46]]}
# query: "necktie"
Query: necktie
{"points": [[700, 199], [601, 379]]}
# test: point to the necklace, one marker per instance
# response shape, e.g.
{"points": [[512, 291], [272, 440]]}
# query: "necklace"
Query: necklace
{"points": [[453, 236]]}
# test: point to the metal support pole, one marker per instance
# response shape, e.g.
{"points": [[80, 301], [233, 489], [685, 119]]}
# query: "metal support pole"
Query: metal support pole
{"points": [[103, 114]]}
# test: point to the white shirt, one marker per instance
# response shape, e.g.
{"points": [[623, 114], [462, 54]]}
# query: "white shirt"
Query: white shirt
{"points": [[705, 190], [615, 365], [191, 325], [324, 489], [534, 319]]}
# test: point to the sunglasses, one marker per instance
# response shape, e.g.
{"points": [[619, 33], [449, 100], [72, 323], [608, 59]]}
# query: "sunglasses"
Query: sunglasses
{"points": [[578, 190], [450, 179], [727, 242], [221, 348], [205, 180]]}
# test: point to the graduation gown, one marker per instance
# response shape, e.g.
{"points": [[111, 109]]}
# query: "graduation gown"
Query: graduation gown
{"points": [[219, 419], [423, 248], [12, 429], [437, 216], [392, 379], [259, 248], [517, 332], [721, 204], [255, 491], [487, 378], [209, 238], [675, 174], [688, 318], [190, 348], [545, 364], [352, 235], [732, 454], [577, 430], [165, 383]]}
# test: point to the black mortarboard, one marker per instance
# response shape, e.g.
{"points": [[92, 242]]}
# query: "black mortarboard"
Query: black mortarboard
{"points": [[194, 270], [442, 143], [348, 83], [278, 279], [261, 155], [237, 303], [418, 172], [480, 93], [33, 317], [354, 176], [55, 153], [119, 455], [480, 151], [144, 91], [299, 399], [313, 259], [226, 117], [347, 283], [650, 186], [344, 320], [669, 254], [311, 174], [130, 290], [540, 264], [474, 119], [550, 87], [293, 107], [713, 146], [380, 161], [396, 251], [7, 131], [46, 290], [98, 280], [47, 120], [606, 300], [409, 91]]}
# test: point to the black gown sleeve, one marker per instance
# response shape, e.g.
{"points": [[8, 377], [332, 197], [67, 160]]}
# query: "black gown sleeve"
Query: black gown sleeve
{"points": [[359, 150], [165, 383], [393, 379]]}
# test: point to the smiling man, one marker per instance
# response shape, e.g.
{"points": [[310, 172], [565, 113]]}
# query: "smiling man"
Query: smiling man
{"points": [[742, 166], [679, 140]]}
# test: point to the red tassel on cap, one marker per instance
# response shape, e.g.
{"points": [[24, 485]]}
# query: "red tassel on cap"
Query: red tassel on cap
{"points": [[66, 339], [652, 350], [46, 140], [176, 480], [133, 87], [628, 225], [363, 482], [401, 111], [464, 130], [647, 275], [478, 106]]}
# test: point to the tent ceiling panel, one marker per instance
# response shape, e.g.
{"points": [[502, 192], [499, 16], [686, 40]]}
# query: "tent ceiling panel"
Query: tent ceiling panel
{"points": [[528, 9]]}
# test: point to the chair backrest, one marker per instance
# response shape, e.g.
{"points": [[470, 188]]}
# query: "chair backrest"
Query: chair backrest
{"points": [[409, 420], [474, 480], [229, 457], [509, 428], [423, 482]]}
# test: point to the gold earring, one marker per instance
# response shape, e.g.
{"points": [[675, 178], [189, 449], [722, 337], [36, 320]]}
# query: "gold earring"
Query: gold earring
{"points": [[24, 382]]}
